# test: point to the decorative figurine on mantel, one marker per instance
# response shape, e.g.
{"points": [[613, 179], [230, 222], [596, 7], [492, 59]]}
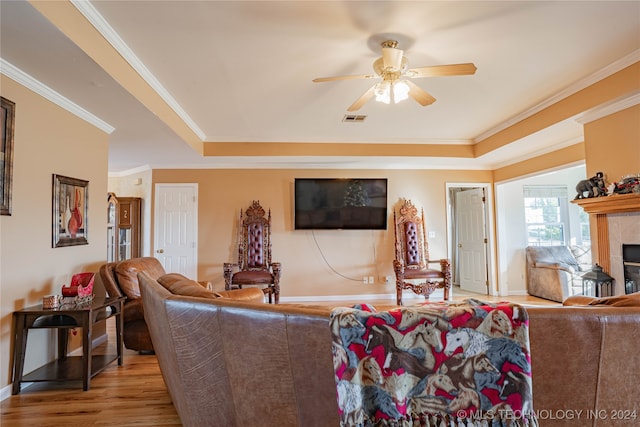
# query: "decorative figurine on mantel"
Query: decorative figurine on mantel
{"points": [[594, 187], [628, 184]]}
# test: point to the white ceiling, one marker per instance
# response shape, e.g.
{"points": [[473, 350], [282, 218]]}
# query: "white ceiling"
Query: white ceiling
{"points": [[241, 71]]}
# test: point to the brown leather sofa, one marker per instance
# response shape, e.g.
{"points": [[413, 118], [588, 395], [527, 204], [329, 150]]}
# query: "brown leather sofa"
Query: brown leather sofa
{"points": [[266, 365], [121, 279]]}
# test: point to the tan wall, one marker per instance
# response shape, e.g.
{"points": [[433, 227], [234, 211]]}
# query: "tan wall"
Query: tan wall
{"points": [[48, 140], [612, 144], [353, 253]]}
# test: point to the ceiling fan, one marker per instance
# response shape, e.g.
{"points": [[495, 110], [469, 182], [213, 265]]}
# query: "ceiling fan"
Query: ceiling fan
{"points": [[393, 70]]}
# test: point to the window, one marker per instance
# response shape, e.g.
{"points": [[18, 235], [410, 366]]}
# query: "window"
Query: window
{"points": [[585, 231], [546, 215]]}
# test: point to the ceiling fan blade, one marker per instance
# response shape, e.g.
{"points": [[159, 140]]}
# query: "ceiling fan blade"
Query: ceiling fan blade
{"points": [[419, 94], [442, 70], [354, 77], [363, 99]]}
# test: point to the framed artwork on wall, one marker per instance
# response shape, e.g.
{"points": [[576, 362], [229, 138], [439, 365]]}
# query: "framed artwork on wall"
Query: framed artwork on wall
{"points": [[7, 114], [70, 211]]}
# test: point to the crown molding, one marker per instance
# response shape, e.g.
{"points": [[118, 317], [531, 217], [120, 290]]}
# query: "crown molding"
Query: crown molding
{"points": [[618, 104], [46, 92], [103, 27], [601, 74], [139, 169]]}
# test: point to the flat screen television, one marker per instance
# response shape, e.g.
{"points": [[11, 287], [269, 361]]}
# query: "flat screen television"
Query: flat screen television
{"points": [[340, 204]]}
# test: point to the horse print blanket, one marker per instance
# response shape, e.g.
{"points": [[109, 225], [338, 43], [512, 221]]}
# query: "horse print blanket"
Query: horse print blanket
{"points": [[435, 364]]}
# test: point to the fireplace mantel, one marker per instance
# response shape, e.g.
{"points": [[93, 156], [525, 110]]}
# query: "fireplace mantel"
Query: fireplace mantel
{"points": [[600, 208], [616, 203]]}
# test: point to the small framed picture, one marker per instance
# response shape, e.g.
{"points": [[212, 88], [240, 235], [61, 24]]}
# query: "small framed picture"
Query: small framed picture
{"points": [[7, 114], [70, 211]]}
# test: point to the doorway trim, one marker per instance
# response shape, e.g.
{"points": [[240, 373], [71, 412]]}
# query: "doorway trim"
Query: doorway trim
{"points": [[489, 225]]}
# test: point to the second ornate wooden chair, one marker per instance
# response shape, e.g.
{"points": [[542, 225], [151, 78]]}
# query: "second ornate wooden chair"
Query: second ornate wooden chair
{"points": [[254, 266], [412, 256]]}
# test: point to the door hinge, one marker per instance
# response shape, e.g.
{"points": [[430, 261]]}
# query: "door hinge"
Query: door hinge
{"points": [[486, 241]]}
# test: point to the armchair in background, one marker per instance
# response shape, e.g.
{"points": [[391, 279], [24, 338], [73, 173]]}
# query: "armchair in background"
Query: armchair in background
{"points": [[554, 273], [254, 266], [412, 256]]}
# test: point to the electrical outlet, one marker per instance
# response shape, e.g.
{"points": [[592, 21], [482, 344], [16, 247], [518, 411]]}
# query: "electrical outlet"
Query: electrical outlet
{"points": [[432, 234], [365, 280], [372, 281], [388, 280]]}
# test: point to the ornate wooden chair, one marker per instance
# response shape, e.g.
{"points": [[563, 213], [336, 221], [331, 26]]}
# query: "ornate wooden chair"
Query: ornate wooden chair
{"points": [[412, 256], [254, 267]]}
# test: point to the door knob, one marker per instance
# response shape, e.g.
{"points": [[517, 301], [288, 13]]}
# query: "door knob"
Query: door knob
{"points": [[160, 251], [460, 245]]}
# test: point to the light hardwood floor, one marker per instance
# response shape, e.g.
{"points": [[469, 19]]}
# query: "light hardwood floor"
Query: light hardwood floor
{"points": [[133, 394]]}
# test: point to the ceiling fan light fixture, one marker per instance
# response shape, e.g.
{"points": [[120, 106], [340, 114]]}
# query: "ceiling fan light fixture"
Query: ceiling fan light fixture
{"points": [[383, 92], [391, 59], [392, 91], [400, 91]]}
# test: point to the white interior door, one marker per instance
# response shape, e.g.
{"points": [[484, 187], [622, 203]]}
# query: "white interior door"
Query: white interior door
{"points": [[176, 228], [472, 243]]}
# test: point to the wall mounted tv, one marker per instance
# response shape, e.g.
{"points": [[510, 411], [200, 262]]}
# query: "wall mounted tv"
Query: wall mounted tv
{"points": [[340, 204]]}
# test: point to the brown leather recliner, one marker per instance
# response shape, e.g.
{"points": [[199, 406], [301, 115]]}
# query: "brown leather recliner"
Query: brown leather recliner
{"points": [[121, 279]]}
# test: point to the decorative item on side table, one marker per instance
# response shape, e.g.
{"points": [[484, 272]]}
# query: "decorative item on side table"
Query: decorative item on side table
{"points": [[50, 302], [599, 281], [80, 290], [70, 210]]}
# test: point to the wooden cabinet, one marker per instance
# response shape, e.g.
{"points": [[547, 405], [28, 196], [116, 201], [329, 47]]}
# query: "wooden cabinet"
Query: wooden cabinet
{"points": [[123, 227]]}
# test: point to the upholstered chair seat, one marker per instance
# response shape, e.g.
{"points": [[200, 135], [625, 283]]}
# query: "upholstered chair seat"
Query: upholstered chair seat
{"points": [[249, 277]]}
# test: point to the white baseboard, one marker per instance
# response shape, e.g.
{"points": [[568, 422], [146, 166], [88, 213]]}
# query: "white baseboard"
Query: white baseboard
{"points": [[94, 343], [519, 293], [5, 392]]}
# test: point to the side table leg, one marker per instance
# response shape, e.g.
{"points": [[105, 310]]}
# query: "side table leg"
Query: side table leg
{"points": [[86, 352], [119, 334], [63, 343], [19, 349]]}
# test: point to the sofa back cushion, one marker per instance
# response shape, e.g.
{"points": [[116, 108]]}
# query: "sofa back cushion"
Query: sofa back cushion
{"points": [[127, 274], [176, 283], [629, 300]]}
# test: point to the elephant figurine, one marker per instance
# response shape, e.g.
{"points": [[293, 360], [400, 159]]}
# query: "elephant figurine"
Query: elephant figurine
{"points": [[594, 187]]}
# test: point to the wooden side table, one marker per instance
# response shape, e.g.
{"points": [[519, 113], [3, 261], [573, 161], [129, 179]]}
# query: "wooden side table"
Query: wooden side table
{"points": [[67, 316]]}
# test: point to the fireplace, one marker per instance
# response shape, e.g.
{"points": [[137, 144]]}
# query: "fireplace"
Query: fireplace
{"points": [[615, 222], [631, 263]]}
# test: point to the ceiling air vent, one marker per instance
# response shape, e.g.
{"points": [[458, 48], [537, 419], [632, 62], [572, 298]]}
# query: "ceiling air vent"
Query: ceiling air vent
{"points": [[353, 118]]}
